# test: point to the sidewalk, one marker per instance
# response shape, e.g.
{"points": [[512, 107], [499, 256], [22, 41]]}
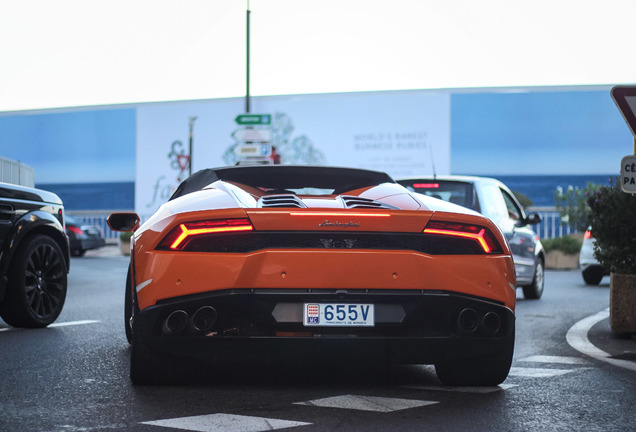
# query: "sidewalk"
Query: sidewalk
{"points": [[110, 250], [620, 347]]}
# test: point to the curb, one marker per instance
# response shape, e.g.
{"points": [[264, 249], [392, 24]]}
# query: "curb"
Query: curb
{"points": [[577, 338]]}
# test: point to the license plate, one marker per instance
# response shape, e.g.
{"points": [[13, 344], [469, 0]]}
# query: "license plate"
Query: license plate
{"points": [[338, 314]]}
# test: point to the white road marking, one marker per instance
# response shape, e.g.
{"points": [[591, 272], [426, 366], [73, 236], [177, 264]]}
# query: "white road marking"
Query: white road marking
{"points": [[482, 390], [225, 422], [63, 324], [555, 359], [577, 339], [367, 403], [73, 323], [539, 372]]}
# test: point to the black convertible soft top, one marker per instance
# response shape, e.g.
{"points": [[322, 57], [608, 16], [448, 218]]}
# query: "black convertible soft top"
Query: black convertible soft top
{"points": [[285, 177]]}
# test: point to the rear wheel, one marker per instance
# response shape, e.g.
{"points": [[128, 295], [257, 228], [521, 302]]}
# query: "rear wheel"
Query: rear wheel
{"points": [[535, 289], [37, 284], [488, 370], [128, 306], [148, 366], [593, 275]]}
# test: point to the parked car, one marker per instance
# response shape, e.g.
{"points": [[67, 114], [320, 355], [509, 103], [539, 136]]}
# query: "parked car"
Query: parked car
{"points": [[306, 262], [83, 237], [592, 271], [494, 200], [34, 256]]}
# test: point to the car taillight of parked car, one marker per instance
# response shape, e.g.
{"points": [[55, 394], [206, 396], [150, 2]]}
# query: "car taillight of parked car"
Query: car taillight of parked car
{"points": [[75, 230]]}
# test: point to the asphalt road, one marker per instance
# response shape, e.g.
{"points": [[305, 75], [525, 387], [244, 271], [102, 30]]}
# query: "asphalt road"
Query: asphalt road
{"points": [[73, 376]]}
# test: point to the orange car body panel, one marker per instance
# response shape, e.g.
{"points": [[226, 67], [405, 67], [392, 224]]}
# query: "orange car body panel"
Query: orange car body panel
{"points": [[167, 274]]}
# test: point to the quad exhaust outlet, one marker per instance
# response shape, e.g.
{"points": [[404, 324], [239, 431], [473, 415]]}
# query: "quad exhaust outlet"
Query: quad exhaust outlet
{"points": [[201, 321], [469, 321]]}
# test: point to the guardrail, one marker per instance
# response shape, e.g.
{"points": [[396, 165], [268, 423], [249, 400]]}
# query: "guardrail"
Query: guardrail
{"points": [[98, 219], [549, 227]]}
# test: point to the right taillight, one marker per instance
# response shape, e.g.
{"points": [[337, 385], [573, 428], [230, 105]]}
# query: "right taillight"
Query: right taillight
{"points": [[477, 233]]}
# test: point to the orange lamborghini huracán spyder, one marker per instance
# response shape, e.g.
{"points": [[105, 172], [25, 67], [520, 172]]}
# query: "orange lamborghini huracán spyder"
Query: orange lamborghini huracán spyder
{"points": [[252, 261]]}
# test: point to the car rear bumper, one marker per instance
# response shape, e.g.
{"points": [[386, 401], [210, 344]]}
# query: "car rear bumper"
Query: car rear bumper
{"points": [[421, 327], [88, 243]]}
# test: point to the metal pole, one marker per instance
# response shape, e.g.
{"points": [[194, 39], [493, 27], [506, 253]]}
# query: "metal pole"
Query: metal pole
{"points": [[247, 75], [191, 125]]}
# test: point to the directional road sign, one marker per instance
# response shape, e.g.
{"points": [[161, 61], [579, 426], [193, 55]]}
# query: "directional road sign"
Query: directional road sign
{"points": [[253, 119], [253, 150], [252, 135]]}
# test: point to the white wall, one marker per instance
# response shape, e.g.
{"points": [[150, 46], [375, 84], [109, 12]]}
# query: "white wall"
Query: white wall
{"points": [[396, 132]]}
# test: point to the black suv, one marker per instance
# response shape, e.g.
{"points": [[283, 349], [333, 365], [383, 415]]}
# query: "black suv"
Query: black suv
{"points": [[34, 256]]}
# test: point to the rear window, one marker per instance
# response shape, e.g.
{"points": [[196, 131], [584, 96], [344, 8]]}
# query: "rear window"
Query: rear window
{"points": [[460, 193]]}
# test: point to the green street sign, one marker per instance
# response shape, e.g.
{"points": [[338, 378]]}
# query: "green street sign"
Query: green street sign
{"points": [[253, 119]]}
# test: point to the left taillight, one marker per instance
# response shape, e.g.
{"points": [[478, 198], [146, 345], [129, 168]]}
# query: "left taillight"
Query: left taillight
{"points": [[477, 233], [180, 235]]}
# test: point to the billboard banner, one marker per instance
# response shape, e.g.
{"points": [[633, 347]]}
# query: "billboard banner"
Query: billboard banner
{"points": [[402, 133]]}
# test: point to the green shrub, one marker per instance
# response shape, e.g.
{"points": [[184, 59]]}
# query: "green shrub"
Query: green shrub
{"points": [[572, 205], [125, 236], [523, 199], [568, 244], [613, 216]]}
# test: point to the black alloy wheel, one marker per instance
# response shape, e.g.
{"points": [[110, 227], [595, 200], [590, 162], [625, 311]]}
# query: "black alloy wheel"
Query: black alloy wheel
{"points": [[37, 284]]}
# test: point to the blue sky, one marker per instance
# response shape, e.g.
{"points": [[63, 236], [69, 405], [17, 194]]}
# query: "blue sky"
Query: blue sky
{"points": [[571, 132]]}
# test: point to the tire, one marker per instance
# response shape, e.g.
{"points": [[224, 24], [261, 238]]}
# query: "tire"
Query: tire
{"points": [[150, 367], [535, 289], [128, 307], [489, 370], [37, 284], [593, 275], [78, 252]]}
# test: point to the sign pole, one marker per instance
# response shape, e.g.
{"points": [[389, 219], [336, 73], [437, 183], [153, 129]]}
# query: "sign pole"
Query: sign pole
{"points": [[191, 125], [247, 63]]}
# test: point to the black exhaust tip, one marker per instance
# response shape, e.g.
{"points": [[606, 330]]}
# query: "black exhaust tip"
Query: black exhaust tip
{"points": [[176, 322], [468, 320], [491, 323], [203, 319]]}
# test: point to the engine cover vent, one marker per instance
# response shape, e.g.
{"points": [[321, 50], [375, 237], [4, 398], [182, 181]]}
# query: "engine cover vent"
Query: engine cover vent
{"points": [[358, 202], [287, 200]]}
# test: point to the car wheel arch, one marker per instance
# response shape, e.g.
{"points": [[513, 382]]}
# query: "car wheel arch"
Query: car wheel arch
{"points": [[25, 229]]}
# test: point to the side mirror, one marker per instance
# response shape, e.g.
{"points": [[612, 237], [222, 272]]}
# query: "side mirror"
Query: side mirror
{"points": [[123, 221], [531, 219]]}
